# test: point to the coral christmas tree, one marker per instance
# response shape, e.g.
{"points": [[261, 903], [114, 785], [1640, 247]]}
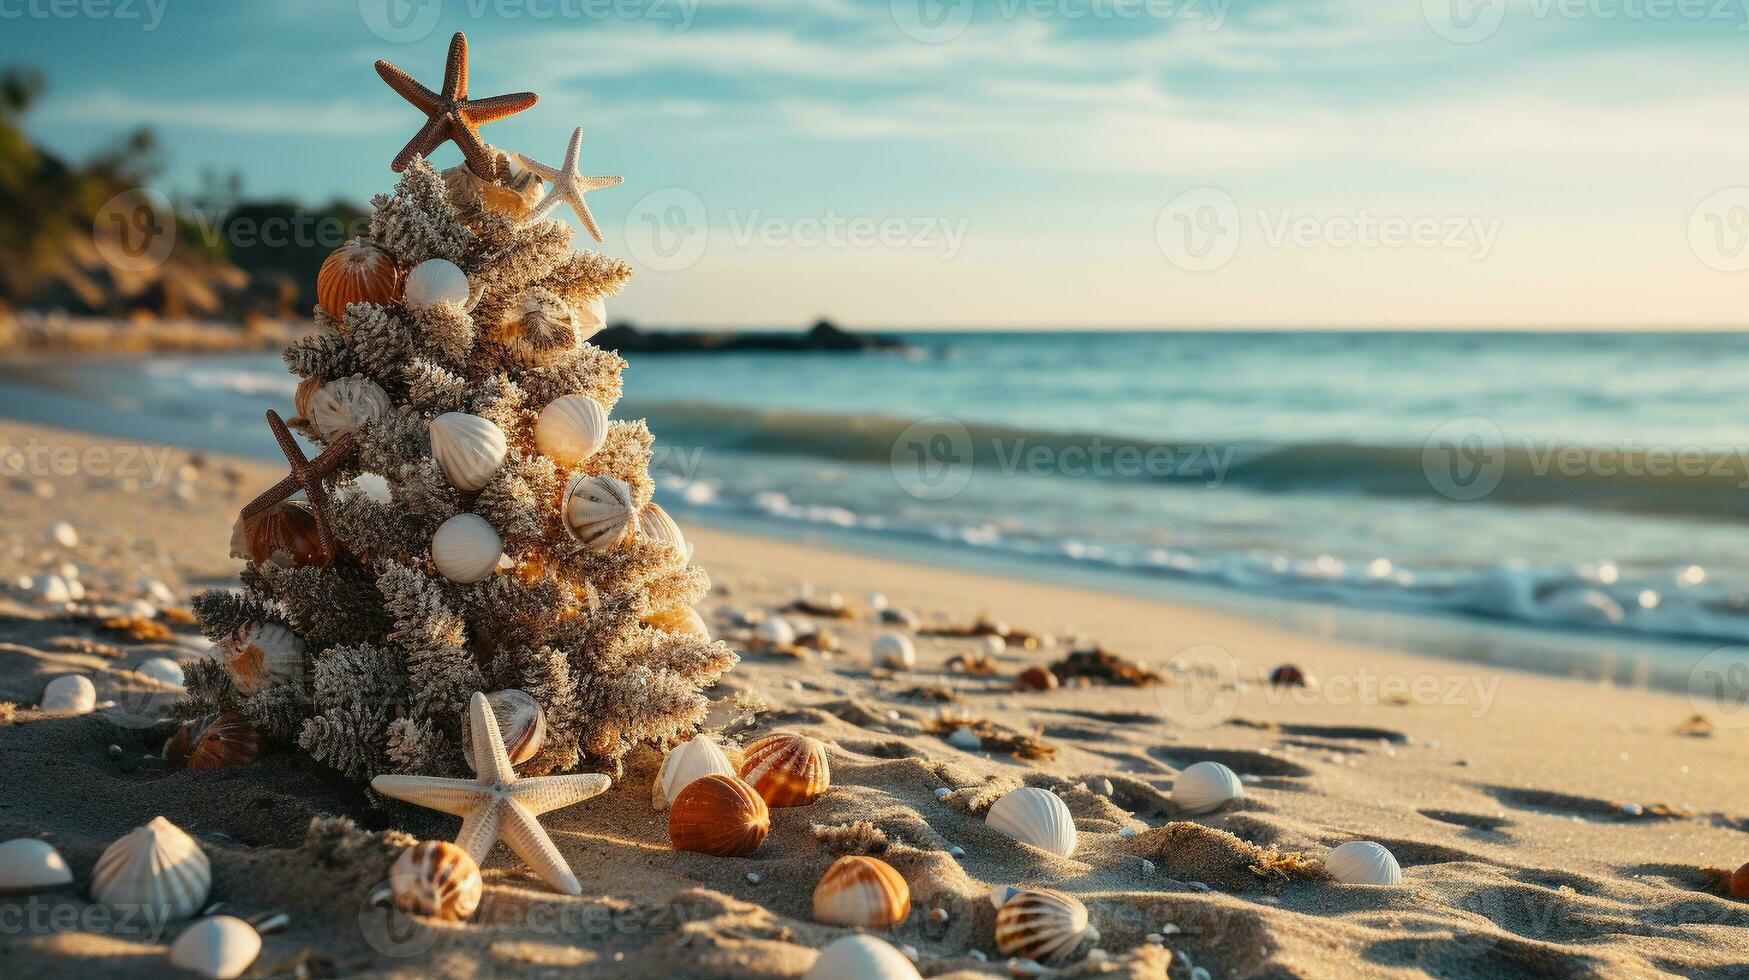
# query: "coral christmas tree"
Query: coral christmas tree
{"points": [[476, 522]]}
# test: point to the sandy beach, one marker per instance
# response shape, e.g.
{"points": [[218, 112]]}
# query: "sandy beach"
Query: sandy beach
{"points": [[1545, 826]]}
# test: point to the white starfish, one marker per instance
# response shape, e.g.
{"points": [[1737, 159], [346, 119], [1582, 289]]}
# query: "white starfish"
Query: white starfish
{"points": [[569, 186], [497, 805]]}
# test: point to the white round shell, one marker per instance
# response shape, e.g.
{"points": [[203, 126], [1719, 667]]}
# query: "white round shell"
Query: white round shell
{"points": [[156, 869], [861, 958], [70, 693], [1362, 862], [656, 527], [161, 669], [218, 947], [435, 281], [599, 511], [348, 405], [591, 317], [1206, 786], [687, 762], [570, 429], [1037, 817], [27, 864], [468, 448], [776, 631], [465, 549], [894, 650]]}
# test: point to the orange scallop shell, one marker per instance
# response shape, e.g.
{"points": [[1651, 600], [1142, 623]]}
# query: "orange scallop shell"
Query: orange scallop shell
{"points": [[357, 272], [438, 879], [682, 620], [861, 891], [213, 742], [718, 815], [307, 389], [787, 769], [284, 534]]}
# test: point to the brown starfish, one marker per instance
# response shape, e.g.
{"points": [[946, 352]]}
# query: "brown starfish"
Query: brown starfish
{"points": [[306, 475], [452, 115]]}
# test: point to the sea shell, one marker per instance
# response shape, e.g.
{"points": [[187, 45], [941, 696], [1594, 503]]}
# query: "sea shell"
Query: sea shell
{"points": [[1362, 862], [1206, 786], [599, 511], [1038, 679], [307, 389], [218, 947], [861, 957], [27, 864], [540, 329], [775, 631], [465, 549], [438, 879], [435, 281], [514, 197], [1739, 884], [718, 815], [591, 317], [1037, 817], [259, 654], [690, 760], [895, 651], [861, 891], [282, 535], [357, 272], [213, 741], [347, 405], [656, 527], [53, 590], [1288, 675], [70, 694], [468, 448], [570, 429], [686, 621], [161, 669], [156, 869], [787, 769], [1040, 924], [521, 723]]}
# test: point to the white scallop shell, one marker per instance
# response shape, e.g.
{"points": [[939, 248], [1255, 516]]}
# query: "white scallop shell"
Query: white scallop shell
{"points": [[1362, 862], [157, 869], [70, 693], [27, 864], [776, 631], [570, 429], [894, 650], [468, 448], [656, 527], [1206, 786], [218, 947], [599, 511], [161, 669], [260, 654], [435, 281], [466, 549], [686, 762], [591, 317], [1040, 924], [348, 405], [861, 957], [1037, 817]]}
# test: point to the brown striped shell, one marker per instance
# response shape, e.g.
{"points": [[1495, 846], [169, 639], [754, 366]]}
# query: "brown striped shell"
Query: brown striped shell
{"points": [[1038, 924], [787, 769], [521, 723], [357, 272], [213, 741], [283, 535], [438, 879], [718, 815], [861, 891]]}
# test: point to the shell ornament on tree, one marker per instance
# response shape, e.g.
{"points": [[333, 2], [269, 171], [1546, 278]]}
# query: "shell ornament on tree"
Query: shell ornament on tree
{"points": [[599, 511], [469, 449], [214, 741], [1037, 817], [1041, 924], [686, 621], [521, 723], [466, 549], [591, 318], [283, 535], [260, 654], [357, 272], [718, 815], [1362, 862], [1205, 787], [156, 869], [517, 193], [787, 769], [570, 429], [435, 281], [540, 329], [438, 879], [685, 763], [660, 530], [863, 892], [347, 405]]}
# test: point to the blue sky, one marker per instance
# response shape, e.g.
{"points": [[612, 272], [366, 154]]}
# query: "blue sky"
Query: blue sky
{"points": [[1390, 163]]}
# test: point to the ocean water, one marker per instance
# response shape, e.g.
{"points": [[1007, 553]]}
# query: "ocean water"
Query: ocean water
{"points": [[1592, 488]]}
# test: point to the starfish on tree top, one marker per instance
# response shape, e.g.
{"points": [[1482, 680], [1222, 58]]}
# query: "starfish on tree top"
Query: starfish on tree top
{"points": [[569, 186], [497, 805], [306, 475], [451, 115]]}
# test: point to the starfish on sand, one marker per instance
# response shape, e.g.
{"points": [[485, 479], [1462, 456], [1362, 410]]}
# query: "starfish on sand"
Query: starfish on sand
{"points": [[569, 186], [497, 805], [306, 475], [452, 115]]}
